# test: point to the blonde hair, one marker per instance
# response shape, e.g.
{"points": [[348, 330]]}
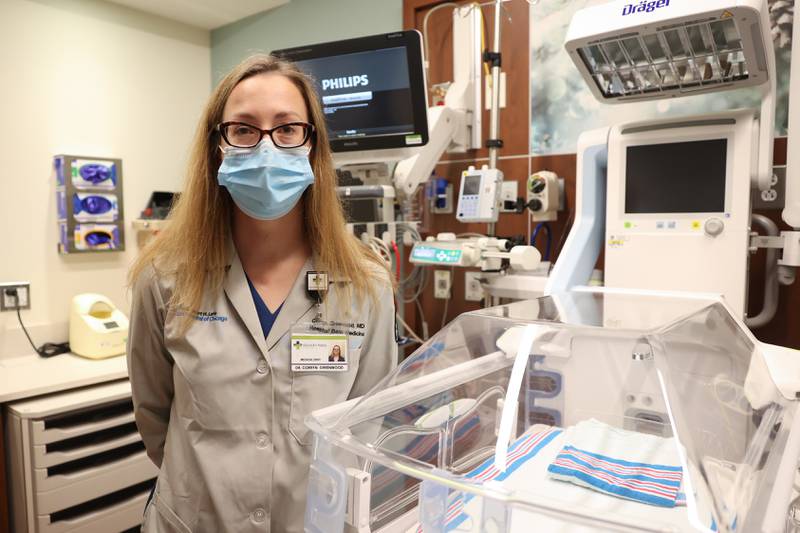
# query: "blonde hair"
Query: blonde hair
{"points": [[193, 248]]}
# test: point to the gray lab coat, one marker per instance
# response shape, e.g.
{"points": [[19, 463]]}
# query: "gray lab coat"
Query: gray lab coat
{"points": [[220, 411]]}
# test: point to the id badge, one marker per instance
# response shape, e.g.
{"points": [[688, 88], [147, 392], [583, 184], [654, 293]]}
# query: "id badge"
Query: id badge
{"points": [[316, 348]]}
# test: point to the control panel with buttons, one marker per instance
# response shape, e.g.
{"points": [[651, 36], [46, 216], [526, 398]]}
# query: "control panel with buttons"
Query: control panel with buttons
{"points": [[479, 195], [435, 255]]}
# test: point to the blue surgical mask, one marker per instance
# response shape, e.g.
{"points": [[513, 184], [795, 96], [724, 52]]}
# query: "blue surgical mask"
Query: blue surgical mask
{"points": [[264, 181]]}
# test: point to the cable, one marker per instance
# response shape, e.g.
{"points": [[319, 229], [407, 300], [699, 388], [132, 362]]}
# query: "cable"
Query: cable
{"points": [[548, 246], [396, 251], [454, 5], [422, 318], [447, 301], [380, 248], [486, 70], [423, 282], [564, 233], [48, 349], [409, 330], [444, 314], [416, 279], [565, 230], [430, 12]]}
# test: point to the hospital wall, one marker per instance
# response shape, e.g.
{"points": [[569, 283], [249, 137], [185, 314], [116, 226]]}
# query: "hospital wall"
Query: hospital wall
{"points": [[301, 22], [86, 78]]}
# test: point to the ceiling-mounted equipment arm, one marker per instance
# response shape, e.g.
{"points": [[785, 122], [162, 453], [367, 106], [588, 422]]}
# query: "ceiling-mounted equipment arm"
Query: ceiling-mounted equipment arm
{"points": [[456, 125]]}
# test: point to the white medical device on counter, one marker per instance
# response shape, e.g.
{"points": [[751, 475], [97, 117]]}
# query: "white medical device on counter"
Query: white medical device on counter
{"points": [[97, 329], [479, 196]]}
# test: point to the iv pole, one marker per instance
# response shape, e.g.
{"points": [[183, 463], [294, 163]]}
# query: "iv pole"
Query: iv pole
{"points": [[494, 143]]}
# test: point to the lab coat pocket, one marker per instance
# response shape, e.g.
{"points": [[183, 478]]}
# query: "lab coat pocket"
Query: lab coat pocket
{"points": [[163, 519], [315, 390]]}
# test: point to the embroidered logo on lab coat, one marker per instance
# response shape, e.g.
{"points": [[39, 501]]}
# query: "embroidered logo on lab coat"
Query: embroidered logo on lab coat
{"points": [[202, 316]]}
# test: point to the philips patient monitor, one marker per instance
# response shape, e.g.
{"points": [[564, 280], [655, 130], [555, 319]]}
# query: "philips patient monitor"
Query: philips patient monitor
{"points": [[372, 89]]}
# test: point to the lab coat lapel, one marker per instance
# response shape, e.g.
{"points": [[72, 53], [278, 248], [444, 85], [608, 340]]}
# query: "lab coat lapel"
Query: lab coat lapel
{"points": [[294, 307], [238, 292]]}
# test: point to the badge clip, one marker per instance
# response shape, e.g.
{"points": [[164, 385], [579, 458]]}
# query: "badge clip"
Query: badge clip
{"points": [[316, 286]]}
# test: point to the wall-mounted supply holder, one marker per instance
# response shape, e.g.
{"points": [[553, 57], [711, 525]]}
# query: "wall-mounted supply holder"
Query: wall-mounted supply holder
{"points": [[89, 203]]}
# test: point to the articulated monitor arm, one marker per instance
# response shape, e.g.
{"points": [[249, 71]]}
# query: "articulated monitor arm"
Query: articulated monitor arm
{"points": [[444, 124]]}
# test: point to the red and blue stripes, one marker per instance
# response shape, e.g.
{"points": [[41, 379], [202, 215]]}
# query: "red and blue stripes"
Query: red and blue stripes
{"points": [[642, 482], [520, 451]]}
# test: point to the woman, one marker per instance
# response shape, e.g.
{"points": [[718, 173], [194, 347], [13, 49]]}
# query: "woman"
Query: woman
{"points": [[336, 354], [217, 295]]}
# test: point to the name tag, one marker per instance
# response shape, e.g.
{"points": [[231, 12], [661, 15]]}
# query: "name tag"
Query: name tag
{"points": [[319, 352]]}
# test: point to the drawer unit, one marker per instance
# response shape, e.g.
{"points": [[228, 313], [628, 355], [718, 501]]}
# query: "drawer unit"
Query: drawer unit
{"points": [[76, 462]]}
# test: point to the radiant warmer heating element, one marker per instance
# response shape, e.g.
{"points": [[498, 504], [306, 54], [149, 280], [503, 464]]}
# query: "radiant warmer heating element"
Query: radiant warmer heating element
{"points": [[694, 56], [660, 48]]}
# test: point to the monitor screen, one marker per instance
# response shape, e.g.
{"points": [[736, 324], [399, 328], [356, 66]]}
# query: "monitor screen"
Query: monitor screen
{"points": [[472, 185], [371, 89], [361, 209], [682, 177]]}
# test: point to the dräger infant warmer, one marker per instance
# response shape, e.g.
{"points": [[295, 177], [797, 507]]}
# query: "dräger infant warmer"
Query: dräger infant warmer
{"points": [[589, 411], [97, 329]]}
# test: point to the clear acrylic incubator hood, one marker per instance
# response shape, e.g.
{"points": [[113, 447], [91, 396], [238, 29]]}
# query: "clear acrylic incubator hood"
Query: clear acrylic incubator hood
{"points": [[593, 410]]}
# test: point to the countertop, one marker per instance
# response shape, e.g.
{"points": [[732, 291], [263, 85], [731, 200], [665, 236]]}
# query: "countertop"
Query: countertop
{"points": [[30, 375]]}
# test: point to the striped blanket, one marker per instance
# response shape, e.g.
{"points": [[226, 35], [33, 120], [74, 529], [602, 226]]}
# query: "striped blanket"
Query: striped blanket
{"points": [[521, 451], [642, 482], [627, 464]]}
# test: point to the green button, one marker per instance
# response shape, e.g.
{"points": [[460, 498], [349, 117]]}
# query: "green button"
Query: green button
{"points": [[628, 225]]}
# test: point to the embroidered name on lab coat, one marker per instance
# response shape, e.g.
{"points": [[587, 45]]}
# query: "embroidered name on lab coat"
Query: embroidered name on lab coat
{"points": [[203, 316], [338, 328]]}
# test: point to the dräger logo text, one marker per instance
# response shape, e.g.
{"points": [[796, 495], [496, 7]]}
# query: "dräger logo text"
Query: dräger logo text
{"points": [[644, 6], [344, 83]]}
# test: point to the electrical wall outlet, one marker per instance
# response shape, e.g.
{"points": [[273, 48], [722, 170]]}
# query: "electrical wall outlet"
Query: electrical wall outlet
{"points": [[473, 292], [10, 302], [442, 283]]}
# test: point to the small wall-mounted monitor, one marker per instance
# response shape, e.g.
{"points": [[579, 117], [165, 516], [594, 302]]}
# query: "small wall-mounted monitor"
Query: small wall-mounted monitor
{"points": [[372, 89]]}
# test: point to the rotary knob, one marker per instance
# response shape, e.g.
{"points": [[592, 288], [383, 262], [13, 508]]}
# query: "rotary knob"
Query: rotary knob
{"points": [[714, 226], [535, 205], [538, 185]]}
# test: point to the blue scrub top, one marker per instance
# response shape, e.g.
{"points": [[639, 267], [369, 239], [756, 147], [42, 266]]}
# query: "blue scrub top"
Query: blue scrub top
{"points": [[265, 316]]}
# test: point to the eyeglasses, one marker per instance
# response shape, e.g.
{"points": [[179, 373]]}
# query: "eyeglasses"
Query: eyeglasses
{"points": [[288, 135]]}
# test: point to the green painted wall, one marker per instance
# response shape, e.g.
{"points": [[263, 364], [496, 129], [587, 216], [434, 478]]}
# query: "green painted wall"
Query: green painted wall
{"points": [[301, 22]]}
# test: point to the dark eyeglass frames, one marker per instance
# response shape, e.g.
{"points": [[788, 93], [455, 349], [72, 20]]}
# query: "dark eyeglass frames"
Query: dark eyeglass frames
{"points": [[287, 135]]}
